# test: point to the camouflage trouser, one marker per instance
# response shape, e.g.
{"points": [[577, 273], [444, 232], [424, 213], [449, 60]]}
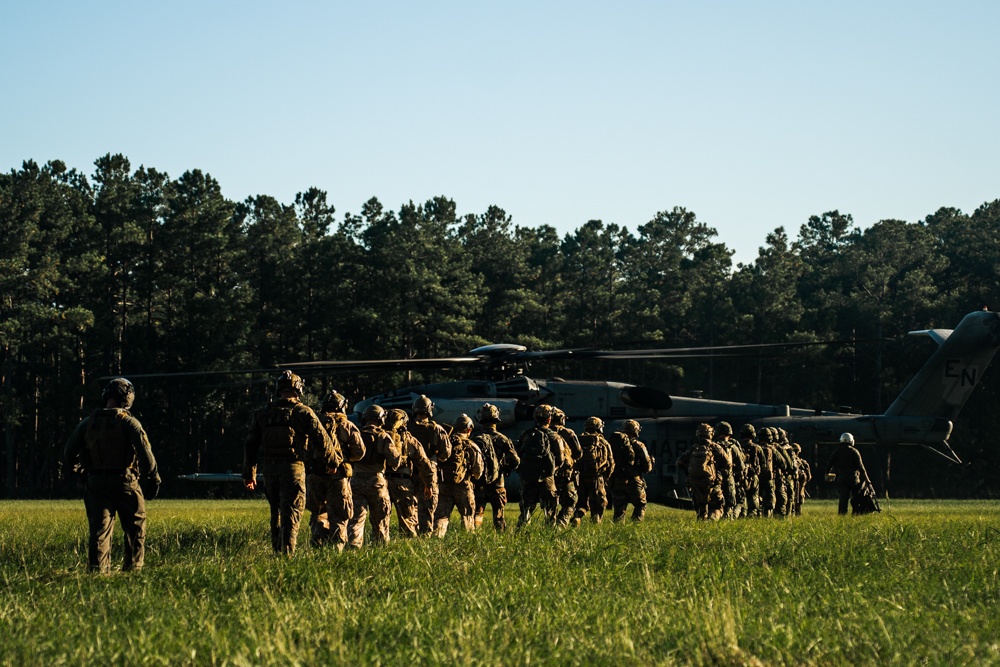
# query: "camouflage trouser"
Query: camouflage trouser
{"points": [[330, 504], [403, 494], [454, 495], [729, 495], [537, 492], [285, 488], [425, 507], [767, 497], [753, 496], [567, 498], [371, 494], [740, 509], [800, 497], [106, 495], [790, 496], [780, 495], [629, 490], [491, 494], [593, 496], [707, 498]]}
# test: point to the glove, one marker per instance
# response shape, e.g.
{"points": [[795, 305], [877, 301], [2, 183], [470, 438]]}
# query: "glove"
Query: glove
{"points": [[150, 487]]}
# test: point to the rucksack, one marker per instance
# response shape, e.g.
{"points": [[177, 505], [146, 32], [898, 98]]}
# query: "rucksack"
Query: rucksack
{"points": [[473, 460], [491, 465], [536, 454], [455, 468], [566, 467], [701, 464], [595, 455]]}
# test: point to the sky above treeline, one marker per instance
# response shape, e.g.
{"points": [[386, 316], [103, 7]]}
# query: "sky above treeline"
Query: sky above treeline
{"points": [[752, 115]]}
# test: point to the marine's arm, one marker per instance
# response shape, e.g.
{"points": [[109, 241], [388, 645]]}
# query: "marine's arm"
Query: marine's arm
{"points": [[350, 441], [74, 448], [251, 449]]}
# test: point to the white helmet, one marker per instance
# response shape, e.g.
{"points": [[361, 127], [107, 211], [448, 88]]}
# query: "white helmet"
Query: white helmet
{"points": [[846, 438]]}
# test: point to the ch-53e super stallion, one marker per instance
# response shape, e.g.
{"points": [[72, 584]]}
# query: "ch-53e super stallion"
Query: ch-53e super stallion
{"points": [[921, 415]]}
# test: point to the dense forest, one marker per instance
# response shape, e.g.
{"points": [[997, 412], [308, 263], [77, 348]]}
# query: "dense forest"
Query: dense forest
{"points": [[137, 272]]}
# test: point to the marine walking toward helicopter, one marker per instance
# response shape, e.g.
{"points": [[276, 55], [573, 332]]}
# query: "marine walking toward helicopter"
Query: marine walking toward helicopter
{"points": [[596, 462], [414, 472], [632, 463], [437, 447], [283, 436], [566, 475], [540, 455], [499, 460], [368, 483], [456, 478], [328, 489]]}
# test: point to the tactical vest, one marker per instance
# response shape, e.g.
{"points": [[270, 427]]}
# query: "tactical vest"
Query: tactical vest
{"points": [[278, 433], [595, 455], [108, 446]]}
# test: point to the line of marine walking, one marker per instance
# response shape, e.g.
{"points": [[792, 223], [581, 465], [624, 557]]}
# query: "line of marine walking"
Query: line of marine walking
{"points": [[346, 476]]}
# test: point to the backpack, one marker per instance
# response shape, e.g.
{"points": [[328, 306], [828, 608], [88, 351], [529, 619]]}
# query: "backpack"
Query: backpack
{"points": [[701, 464], [491, 466], [455, 468], [595, 455], [566, 467], [473, 460], [278, 434], [536, 454]]}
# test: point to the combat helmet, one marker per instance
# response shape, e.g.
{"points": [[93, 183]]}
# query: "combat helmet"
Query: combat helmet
{"points": [[723, 429], [488, 414], [558, 416], [334, 402], [422, 406], [121, 390], [396, 418], [703, 431], [631, 427], [462, 424], [543, 413], [373, 413], [289, 381], [748, 431], [594, 425]]}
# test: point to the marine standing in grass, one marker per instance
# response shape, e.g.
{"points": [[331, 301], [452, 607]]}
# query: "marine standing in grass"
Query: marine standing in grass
{"points": [[283, 436], [434, 438], [371, 492], [493, 491], [595, 462], [733, 482], [849, 468], [752, 456], [328, 490], [413, 464], [456, 477], [540, 456], [632, 462], [805, 474], [111, 450], [702, 463], [566, 475], [767, 465]]}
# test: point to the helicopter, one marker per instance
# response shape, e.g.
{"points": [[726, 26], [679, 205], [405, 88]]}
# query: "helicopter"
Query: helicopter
{"points": [[922, 414]]}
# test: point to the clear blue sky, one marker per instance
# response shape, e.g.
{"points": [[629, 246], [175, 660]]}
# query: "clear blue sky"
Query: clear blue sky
{"points": [[752, 115]]}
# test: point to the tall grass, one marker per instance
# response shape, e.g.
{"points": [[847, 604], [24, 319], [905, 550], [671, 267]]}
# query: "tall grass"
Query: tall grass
{"points": [[918, 583]]}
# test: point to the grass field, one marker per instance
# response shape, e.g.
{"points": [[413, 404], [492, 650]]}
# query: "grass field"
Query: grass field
{"points": [[916, 584]]}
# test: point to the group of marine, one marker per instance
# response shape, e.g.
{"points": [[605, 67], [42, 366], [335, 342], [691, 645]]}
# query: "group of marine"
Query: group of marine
{"points": [[346, 476], [761, 474]]}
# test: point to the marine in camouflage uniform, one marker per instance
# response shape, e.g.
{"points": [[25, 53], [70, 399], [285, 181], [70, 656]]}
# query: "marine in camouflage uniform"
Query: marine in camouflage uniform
{"points": [[703, 463], [751, 466], [784, 479], [494, 493], [849, 468], [632, 462], [328, 490], [733, 480], [111, 450], [413, 465], [456, 477], [567, 476], [434, 439], [805, 474], [283, 436], [371, 491], [595, 461], [537, 469], [766, 472]]}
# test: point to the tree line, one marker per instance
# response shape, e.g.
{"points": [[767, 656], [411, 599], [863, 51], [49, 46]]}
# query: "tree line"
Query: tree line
{"points": [[132, 271]]}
